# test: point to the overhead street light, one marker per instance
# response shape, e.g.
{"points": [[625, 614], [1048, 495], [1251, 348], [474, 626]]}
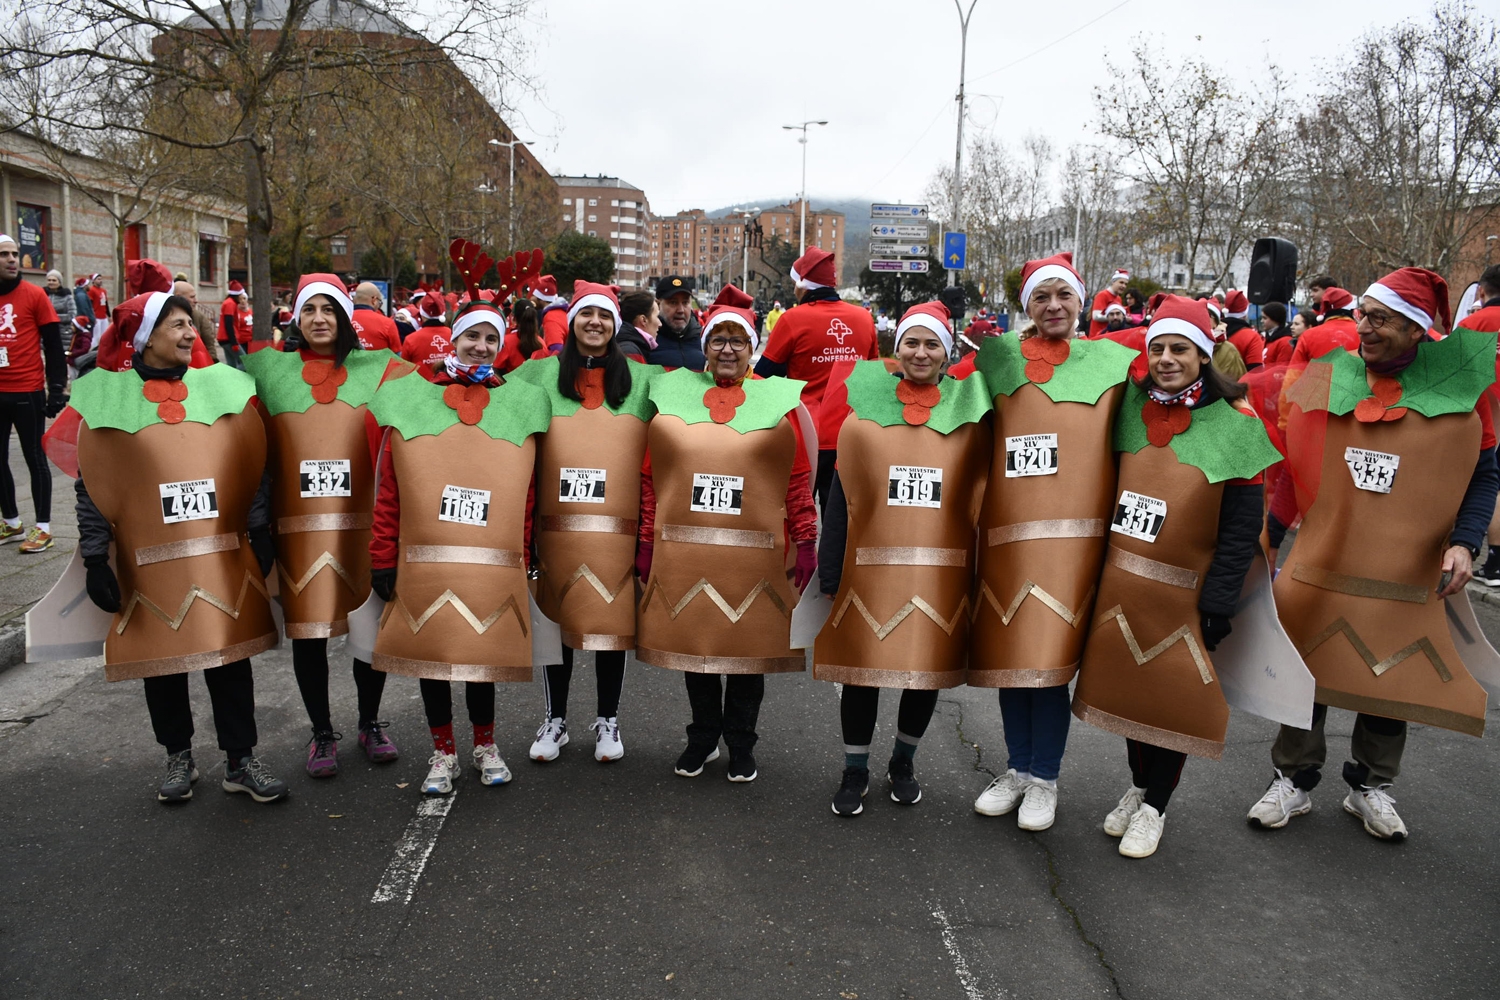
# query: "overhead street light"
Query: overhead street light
{"points": [[802, 236], [510, 195]]}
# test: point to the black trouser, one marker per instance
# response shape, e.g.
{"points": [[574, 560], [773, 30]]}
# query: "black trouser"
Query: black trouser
{"points": [[231, 689], [310, 664], [827, 459], [858, 707], [231, 351], [609, 673], [27, 412], [1156, 769], [727, 709], [437, 699]]}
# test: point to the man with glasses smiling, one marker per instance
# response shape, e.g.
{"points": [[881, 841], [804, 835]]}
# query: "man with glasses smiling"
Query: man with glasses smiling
{"points": [[1393, 450]]}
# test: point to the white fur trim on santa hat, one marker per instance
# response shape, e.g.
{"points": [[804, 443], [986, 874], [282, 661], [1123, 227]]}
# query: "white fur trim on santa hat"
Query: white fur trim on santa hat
{"points": [[7, 239], [594, 299], [1119, 273], [1386, 297], [803, 283], [1046, 273], [1116, 307], [149, 315], [337, 294], [929, 322], [730, 317], [473, 317], [1172, 324], [1238, 315], [544, 297]]}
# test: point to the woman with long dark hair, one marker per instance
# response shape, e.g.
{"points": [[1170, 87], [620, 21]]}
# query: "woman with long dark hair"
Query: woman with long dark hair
{"points": [[588, 509]]}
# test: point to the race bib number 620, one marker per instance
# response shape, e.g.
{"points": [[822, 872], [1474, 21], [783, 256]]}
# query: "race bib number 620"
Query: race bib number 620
{"points": [[191, 500], [1031, 455]]}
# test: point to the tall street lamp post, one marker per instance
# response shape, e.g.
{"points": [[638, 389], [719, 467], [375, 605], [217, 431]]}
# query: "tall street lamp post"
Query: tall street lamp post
{"points": [[958, 152], [802, 238], [510, 191]]}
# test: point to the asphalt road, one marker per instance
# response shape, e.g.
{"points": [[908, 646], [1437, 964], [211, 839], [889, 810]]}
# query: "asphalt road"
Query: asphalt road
{"points": [[581, 880]]}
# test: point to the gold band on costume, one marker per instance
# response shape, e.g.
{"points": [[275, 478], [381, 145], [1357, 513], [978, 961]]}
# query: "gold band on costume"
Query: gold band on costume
{"points": [[1142, 657], [597, 523], [323, 522], [1151, 569], [1025, 531], [1358, 586], [187, 548], [195, 593], [473, 555], [909, 555], [733, 537]]}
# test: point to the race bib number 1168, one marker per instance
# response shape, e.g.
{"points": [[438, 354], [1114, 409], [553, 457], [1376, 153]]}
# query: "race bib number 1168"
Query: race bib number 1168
{"points": [[462, 505]]}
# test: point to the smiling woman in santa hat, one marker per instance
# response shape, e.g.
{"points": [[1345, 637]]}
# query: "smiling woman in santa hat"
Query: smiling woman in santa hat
{"points": [[727, 475], [449, 547], [1042, 528], [172, 457], [323, 445], [1182, 536], [898, 536], [588, 509]]}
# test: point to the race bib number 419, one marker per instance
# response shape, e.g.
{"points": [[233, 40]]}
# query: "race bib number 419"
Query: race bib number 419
{"points": [[1374, 471], [915, 486], [462, 505], [1031, 455], [1139, 516], [717, 494], [324, 477], [580, 485], [193, 500]]}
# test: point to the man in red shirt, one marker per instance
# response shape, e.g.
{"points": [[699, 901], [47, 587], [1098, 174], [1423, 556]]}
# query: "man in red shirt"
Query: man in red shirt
{"points": [[1117, 282], [229, 321], [811, 337], [29, 393], [1486, 319], [1245, 338], [99, 298], [374, 329]]}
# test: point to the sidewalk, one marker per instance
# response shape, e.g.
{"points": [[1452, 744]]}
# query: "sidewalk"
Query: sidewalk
{"points": [[25, 579]]}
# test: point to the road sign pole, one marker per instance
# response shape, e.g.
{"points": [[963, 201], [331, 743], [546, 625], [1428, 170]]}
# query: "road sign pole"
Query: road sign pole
{"points": [[958, 150]]}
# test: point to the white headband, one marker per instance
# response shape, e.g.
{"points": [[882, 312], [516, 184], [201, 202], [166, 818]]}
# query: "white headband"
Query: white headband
{"points": [[727, 316], [803, 283], [929, 322], [1383, 294], [1046, 273], [594, 299], [337, 294], [149, 315], [473, 317], [1172, 324]]}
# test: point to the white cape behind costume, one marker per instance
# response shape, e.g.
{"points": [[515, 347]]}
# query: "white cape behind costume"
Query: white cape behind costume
{"points": [[1260, 670]]}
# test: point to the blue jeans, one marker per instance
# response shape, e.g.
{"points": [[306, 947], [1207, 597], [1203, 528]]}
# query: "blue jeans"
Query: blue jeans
{"points": [[1036, 728]]}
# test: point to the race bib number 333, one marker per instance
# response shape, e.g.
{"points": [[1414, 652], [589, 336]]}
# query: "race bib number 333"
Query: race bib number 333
{"points": [[462, 505], [324, 477], [191, 500], [915, 486], [1139, 516], [717, 494], [1374, 471]]}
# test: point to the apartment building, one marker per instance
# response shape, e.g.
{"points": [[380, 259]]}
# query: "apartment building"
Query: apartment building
{"points": [[615, 211]]}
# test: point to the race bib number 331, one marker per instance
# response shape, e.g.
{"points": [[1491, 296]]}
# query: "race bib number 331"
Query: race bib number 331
{"points": [[1139, 516], [192, 500], [1374, 471], [462, 505], [717, 494], [324, 477], [915, 486]]}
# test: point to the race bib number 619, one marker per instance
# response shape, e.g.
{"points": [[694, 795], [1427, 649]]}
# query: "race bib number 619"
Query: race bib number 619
{"points": [[914, 486]]}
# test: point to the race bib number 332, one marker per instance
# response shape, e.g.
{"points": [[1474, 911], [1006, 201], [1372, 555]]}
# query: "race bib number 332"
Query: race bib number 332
{"points": [[1374, 471], [915, 486], [1139, 516], [717, 494], [324, 477], [462, 505], [192, 500]]}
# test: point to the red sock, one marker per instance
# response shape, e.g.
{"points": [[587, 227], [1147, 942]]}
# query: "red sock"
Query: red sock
{"points": [[484, 735], [442, 739]]}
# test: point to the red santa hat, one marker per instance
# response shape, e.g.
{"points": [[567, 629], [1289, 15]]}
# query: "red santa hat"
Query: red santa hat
{"points": [[135, 318], [1236, 305], [544, 288], [433, 307], [814, 269], [732, 306], [1120, 272], [1059, 265], [322, 284], [146, 275], [1416, 293], [476, 313], [235, 288], [1337, 300], [587, 293], [933, 316], [1185, 317]]}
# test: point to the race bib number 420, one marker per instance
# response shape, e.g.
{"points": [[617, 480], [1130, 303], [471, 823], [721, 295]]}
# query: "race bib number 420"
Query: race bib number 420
{"points": [[1031, 455], [1139, 516], [915, 486], [325, 477], [717, 494], [462, 505], [1372, 470], [193, 500], [580, 485]]}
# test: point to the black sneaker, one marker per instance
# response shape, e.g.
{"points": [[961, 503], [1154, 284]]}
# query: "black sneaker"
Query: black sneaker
{"points": [[742, 766], [904, 787], [849, 800], [255, 779], [690, 764], [1489, 573], [177, 786]]}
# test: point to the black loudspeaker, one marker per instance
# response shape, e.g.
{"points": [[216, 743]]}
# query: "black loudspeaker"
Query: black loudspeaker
{"points": [[953, 298], [1273, 271]]}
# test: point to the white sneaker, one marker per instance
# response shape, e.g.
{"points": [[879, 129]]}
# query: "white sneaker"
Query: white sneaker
{"points": [[1038, 805], [1001, 796], [1282, 801], [1143, 833], [607, 745], [1118, 820], [1378, 810], [492, 770], [443, 769], [550, 739]]}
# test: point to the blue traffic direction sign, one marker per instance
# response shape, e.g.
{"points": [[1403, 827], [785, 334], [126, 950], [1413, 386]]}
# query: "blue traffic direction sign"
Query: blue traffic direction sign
{"points": [[955, 251]]}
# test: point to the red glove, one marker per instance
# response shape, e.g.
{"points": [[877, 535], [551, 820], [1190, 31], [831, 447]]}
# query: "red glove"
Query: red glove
{"points": [[807, 564], [643, 560]]}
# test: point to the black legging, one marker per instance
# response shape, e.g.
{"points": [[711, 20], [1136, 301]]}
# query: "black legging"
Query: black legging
{"points": [[858, 707], [310, 664], [27, 412], [1156, 769], [609, 673], [231, 691], [437, 699]]}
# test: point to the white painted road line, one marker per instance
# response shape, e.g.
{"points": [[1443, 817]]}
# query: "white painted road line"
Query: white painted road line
{"points": [[960, 965], [405, 870]]}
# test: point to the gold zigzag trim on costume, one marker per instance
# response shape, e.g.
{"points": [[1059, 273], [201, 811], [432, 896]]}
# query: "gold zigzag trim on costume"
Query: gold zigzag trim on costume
{"points": [[1422, 645], [1027, 589], [449, 597], [326, 559], [915, 604], [195, 593], [1185, 633], [584, 573], [732, 613]]}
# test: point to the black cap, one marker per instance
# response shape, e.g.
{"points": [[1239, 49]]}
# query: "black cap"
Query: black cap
{"points": [[673, 284]]}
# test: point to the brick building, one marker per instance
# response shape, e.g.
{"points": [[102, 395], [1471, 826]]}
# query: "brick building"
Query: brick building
{"points": [[615, 211], [824, 229]]}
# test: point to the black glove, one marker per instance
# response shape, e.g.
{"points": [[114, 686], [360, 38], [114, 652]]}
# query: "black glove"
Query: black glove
{"points": [[1215, 629], [103, 588], [264, 548], [56, 400], [383, 582]]}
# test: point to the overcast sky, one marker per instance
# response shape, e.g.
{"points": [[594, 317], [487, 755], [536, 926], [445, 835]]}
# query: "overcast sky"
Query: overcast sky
{"points": [[686, 98]]}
